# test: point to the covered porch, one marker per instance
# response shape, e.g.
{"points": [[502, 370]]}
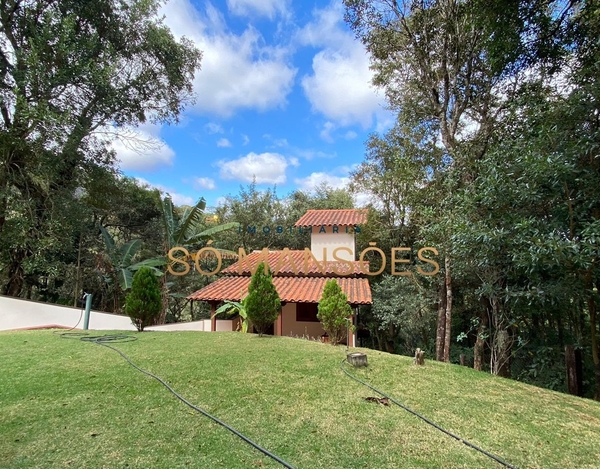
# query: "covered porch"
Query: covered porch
{"points": [[299, 296]]}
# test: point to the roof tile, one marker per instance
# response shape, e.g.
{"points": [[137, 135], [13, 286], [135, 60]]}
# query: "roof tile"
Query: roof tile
{"points": [[290, 289], [347, 217], [297, 263]]}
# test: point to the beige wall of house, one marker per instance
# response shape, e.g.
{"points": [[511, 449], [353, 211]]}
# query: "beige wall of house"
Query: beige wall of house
{"points": [[330, 240], [291, 327]]}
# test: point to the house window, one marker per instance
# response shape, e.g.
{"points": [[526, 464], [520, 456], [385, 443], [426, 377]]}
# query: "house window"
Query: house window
{"points": [[307, 312]]}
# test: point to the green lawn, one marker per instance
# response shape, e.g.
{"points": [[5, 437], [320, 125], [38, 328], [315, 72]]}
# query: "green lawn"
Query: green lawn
{"points": [[65, 403]]}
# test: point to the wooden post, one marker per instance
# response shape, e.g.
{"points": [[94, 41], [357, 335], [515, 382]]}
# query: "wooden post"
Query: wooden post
{"points": [[574, 370], [213, 317], [279, 324], [419, 357], [463, 360]]}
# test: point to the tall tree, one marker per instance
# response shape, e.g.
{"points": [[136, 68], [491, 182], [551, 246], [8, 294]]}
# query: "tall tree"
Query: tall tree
{"points": [[451, 67], [430, 59], [72, 72]]}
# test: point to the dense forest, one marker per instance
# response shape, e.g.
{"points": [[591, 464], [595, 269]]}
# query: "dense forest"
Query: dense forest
{"points": [[493, 160]]}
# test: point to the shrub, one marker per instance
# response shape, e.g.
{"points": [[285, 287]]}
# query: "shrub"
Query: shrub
{"points": [[143, 303], [334, 312], [262, 303]]}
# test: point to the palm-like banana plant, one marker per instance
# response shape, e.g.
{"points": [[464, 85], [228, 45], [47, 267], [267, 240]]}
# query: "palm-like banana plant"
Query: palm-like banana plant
{"points": [[233, 307], [116, 265], [186, 230]]}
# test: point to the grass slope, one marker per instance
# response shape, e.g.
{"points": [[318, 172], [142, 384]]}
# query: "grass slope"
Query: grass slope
{"points": [[65, 403]]}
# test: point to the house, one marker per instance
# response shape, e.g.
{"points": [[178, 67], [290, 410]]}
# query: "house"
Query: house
{"points": [[300, 276]]}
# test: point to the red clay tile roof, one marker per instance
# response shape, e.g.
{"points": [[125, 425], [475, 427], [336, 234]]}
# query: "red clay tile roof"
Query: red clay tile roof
{"points": [[348, 217], [290, 289], [294, 265]]}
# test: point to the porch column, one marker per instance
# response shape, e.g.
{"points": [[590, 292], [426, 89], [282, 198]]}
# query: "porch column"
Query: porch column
{"points": [[352, 334], [279, 324], [213, 317]]}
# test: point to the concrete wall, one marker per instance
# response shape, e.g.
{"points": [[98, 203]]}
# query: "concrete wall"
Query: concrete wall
{"points": [[330, 241], [223, 325], [23, 314], [16, 313], [291, 327]]}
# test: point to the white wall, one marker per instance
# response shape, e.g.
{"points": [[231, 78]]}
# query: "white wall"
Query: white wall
{"points": [[330, 241], [16, 313], [20, 314]]}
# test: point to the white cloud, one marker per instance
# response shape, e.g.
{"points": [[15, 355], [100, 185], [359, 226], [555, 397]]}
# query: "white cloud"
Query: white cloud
{"points": [[245, 139], [141, 148], [238, 71], [314, 180], [221, 201], [304, 153], [340, 85], [311, 182], [204, 183], [224, 143], [325, 134], [213, 128], [267, 168], [350, 135], [267, 8], [178, 199]]}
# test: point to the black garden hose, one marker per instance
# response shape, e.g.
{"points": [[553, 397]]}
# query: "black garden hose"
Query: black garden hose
{"points": [[106, 340], [430, 422]]}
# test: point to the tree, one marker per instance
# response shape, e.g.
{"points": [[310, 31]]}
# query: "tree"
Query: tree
{"points": [[334, 312], [403, 308], [144, 302], [430, 59], [450, 67], [258, 214], [74, 73], [262, 303], [185, 227], [117, 266]]}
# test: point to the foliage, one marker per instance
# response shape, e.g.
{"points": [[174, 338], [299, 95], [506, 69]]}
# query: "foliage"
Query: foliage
{"points": [[334, 312], [74, 74], [235, 307], [403, 307], [266, 220], [143, 302], [116, 264], [262, 303], [185, 227]]}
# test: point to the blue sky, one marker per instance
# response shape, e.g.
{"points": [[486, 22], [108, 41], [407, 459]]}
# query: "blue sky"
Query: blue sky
{"points": [[284, 95]]}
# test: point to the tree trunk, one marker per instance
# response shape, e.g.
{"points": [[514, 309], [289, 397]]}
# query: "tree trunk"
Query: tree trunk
{"points": [[165, 300], [389, 340], [448, 310], [479, 348], [595, 354], [502, 354], [16, 274], [441, 324], [574, 375]]}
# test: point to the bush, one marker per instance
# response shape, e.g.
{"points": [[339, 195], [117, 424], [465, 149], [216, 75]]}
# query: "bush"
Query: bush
{"points": [[143, 303], [262, 303], [334, 312]]}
